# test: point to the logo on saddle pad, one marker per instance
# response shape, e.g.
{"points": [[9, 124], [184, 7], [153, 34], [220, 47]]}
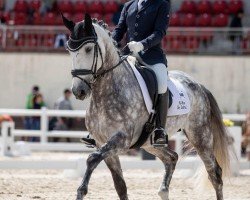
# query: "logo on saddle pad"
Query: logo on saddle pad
{"points": [[182, 105]]}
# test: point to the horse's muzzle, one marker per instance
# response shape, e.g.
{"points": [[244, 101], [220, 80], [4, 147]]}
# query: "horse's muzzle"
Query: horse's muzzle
{"points": [[81, 93]]}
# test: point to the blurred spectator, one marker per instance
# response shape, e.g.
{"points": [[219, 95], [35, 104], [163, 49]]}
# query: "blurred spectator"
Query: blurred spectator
{"points": [[60, 41], [2, 20], [62, 123], [29, 102], [246, 133], [236, 35], [30, 105], [2, 5], [2, 8], [37, 103], [47, 6], [64, 103]]}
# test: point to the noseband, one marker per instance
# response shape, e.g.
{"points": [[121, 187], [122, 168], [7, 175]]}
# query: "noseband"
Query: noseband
{"points": [[94, 71]]}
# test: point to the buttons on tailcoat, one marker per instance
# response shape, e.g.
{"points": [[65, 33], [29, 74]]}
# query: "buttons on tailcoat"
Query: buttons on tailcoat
{"points": [[148, 26]]}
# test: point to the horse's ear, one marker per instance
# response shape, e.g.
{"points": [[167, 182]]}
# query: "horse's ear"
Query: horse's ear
{"points": [[68, 23], [88, 23]]}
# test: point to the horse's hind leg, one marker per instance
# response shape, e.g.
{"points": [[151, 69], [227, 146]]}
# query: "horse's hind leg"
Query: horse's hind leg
{"points": [[115, 144], [214, 171], [114, 165], [169, 159], [204, 147]]}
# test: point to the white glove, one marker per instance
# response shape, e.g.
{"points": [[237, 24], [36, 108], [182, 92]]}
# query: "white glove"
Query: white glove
{"points": [[135, 47]]}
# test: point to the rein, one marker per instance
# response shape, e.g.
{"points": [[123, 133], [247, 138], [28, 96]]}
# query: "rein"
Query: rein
{"points": [[94, 72]]}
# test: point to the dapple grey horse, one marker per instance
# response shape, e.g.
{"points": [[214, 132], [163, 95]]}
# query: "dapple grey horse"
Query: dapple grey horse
{"points": [[117, 112]]}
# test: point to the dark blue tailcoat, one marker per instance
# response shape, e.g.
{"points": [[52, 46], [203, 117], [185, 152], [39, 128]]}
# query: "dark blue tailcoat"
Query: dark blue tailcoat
{"points": [[147, 26]]}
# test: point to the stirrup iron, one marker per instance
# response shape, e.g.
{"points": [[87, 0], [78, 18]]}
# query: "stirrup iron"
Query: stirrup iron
{"points": [[164, 139]]}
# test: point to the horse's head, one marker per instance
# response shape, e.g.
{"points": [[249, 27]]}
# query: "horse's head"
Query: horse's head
{"points": [[87, 52]]}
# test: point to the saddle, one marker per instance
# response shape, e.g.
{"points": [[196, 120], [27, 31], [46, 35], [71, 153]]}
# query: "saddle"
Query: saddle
{"points": [[151, 82]]}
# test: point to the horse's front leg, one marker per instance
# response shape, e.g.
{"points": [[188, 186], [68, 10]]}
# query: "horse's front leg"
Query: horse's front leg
{"points": [[114, 166], [115, 144], [169, 159]]}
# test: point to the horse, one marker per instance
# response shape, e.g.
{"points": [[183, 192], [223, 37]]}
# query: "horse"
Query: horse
{"points": [[117, 112]]}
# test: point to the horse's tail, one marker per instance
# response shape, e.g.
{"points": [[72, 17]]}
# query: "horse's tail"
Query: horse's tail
{"points": [[220, 136]]}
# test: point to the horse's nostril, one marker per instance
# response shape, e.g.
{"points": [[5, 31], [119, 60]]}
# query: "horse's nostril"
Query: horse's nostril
{"points": [[82, 93]]}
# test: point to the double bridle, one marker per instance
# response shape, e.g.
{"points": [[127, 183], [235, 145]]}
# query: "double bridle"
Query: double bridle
{"points": [[93, 71]]}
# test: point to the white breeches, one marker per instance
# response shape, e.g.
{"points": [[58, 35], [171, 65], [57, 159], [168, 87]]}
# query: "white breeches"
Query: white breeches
{"points": [[161, 73]]}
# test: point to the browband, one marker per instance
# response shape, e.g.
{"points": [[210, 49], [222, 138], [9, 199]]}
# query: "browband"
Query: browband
{"points": [[91, 40]]}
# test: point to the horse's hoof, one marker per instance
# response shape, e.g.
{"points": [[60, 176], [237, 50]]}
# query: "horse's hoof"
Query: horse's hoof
{"points": [[163, 193], [80, 196], [81, 193]]}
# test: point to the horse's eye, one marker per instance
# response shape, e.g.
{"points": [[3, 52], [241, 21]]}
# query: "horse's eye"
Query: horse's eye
{"points": [[88, 49]]}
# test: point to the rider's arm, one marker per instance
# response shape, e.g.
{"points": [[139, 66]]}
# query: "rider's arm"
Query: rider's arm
{"points": [[160, 27], [121, 27]]}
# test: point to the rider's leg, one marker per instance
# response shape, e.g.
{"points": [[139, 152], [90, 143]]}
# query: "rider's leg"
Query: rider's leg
{"points": [[161, 73]]}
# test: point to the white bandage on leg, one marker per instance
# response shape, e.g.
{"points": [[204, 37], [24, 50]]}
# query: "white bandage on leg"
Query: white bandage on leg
{"points": [[161, 73]]}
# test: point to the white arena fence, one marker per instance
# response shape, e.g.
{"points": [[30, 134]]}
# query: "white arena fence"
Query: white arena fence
{"points": [[76, 167], [211, 41], [44, 133]]}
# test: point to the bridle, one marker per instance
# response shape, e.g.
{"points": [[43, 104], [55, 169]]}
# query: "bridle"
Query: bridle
{"points": [[96, 73]]}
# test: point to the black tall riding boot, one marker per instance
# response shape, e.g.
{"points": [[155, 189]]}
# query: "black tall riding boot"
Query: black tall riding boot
{"points": [[160, 135]]}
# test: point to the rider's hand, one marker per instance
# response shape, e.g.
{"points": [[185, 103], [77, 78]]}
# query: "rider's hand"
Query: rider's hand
{"points": [[135, 47]]}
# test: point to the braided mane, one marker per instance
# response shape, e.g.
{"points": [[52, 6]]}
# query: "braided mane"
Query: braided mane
{"points": [[105, 26]]}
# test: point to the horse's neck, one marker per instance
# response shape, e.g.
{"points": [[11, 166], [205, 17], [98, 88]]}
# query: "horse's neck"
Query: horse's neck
{"points": [[115, 85], [112, 57], [118, 87]]}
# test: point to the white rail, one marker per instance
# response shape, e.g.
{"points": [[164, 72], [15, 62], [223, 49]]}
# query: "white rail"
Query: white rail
{"points": [[81, 113], [44, 114], [44, 133], [50, 113], [8, 146]]}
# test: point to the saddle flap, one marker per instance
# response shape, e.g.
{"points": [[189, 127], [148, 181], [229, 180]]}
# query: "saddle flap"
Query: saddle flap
{"points": [[151, 81]]}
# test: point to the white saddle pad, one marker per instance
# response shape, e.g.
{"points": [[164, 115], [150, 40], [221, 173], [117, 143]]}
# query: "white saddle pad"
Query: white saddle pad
{"points": [[181, 102]]}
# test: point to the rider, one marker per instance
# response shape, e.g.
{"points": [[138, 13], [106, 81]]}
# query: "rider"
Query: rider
{"points": [[146, 22]]}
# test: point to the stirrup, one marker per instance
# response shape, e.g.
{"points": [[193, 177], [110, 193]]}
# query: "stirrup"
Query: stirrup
{"points": [[162, 141]]}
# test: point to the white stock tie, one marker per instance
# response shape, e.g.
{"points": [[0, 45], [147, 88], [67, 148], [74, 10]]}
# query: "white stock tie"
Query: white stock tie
{"points": [[141, 3]]}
